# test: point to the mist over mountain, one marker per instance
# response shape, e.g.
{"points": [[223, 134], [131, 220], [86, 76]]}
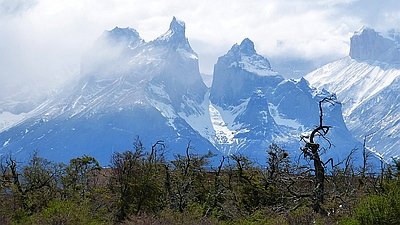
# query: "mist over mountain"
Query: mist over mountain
{"points": [[297, 67], [154, 90]]}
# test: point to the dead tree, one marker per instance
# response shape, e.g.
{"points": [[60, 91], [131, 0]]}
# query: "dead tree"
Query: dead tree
{"points": [[311, 150], [153, 154], [366, 154]]}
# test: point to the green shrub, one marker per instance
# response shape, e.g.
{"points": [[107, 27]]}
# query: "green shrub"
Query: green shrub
{"points": [[381, 209], [261, 216], [349, 221], [60, 212]]}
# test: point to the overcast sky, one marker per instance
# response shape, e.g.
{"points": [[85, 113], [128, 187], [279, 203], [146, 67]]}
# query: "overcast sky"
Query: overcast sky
{"points": [[44, 39]]}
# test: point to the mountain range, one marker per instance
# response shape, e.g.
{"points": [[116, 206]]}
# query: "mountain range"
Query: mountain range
{"points": [[154, 90]]}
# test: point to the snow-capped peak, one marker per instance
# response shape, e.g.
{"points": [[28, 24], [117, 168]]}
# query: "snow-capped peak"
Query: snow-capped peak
{"points": [[178, 26], [247, 47], [176, 32], [126, 35], [244, 56], [176, 40]]}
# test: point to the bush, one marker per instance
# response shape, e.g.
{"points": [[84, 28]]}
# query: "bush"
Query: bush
{"points": [[61, 212], [349, 221], [262, 216], [381, 209]]}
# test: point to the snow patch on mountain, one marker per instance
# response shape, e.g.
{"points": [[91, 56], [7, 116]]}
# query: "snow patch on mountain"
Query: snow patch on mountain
{"points": [[187, 54], [280, 120], [8, 119], [254, 65], [207, 79], [247, 59], [201, 121], [166, 111], [223, 135], [159, 91], [216, 124], [353, 81]]}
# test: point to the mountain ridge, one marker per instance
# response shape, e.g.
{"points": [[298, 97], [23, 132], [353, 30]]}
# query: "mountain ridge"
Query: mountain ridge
{"points": [[155, 90], [366, 82]]}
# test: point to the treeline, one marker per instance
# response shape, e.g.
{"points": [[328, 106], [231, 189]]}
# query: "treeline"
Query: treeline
{"points": [[142, 187]]}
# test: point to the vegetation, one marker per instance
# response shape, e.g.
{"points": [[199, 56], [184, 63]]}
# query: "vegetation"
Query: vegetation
{"points": [[141, 187]]}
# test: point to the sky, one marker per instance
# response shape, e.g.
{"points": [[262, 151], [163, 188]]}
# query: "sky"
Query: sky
{"points": [[42, 41]]}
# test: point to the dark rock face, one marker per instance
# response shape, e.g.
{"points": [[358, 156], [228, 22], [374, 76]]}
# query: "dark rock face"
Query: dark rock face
{"points": [[368, 44]]}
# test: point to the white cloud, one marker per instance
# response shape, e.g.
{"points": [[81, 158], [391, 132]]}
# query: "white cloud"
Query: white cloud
{"points": [[44, 39]]}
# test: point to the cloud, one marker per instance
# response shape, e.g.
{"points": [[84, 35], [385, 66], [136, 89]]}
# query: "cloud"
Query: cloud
{"points": [[13, 7], [43, 40]]}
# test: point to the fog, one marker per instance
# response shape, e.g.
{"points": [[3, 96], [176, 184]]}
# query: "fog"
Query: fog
{"points": [[42, 41]]}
